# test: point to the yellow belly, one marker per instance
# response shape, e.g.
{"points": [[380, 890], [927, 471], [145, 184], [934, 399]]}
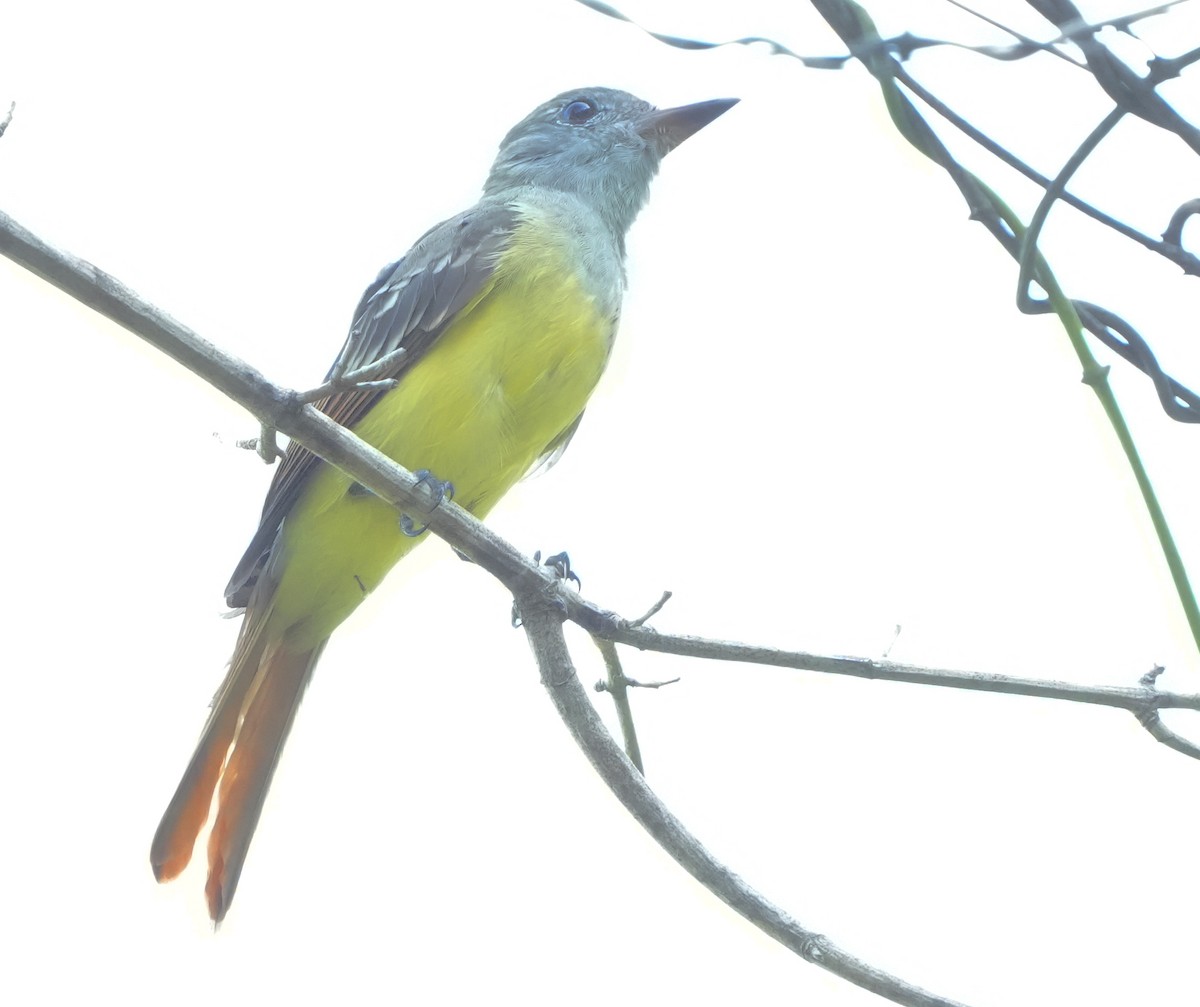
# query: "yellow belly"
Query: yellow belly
{"points": [[499, 385]]}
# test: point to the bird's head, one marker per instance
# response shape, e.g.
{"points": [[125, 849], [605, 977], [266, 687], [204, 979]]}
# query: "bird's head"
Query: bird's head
{"points": [[600, 144]]}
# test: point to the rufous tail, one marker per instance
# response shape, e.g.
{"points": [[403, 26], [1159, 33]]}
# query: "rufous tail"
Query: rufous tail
{"points": [[238, 750]]}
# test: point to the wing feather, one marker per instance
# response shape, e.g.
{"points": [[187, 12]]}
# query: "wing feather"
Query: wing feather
{"points": [[409, 305]]}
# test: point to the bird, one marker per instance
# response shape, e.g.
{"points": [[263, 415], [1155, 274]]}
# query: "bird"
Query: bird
{"points": [[492, 331]]}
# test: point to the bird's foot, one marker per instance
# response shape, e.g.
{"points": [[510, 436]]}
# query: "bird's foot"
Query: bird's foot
{"points": [[441, 490], [560, 565]]}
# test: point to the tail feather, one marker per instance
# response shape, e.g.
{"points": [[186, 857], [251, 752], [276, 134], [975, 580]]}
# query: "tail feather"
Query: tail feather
{"points": [[186, 814], [235, 758], [267, 714]]}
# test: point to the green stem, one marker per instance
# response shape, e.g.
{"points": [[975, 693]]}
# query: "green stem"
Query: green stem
{"points": [[1095, 376]]}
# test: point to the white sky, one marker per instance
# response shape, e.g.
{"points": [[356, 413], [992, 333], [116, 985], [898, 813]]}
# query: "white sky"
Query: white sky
{"points": [[825, 418]]}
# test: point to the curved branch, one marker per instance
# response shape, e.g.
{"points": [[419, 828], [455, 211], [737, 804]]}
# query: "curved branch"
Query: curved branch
{"points": [[542, 619]]}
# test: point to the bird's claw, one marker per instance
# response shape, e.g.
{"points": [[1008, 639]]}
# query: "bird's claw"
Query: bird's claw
{"points": [[560, 563], [442, 490]]}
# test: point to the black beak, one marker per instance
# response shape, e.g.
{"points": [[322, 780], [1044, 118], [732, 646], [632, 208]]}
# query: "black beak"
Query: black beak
{"points": [[674, 125]]}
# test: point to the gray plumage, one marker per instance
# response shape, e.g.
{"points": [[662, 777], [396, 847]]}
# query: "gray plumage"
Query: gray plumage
{"points": [[607, 161]]}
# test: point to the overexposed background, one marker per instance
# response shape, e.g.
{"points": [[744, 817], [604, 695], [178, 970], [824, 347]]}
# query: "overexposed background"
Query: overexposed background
{"points": [[825, 417]]}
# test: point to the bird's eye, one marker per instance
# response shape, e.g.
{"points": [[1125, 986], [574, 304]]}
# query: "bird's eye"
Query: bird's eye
{"points": [[577, 112]]}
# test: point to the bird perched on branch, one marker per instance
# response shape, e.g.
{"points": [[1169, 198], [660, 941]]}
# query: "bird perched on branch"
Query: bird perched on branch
{"points": [[506, 315]]}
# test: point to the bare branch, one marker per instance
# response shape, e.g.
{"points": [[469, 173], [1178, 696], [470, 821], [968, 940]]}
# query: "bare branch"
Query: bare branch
{"points": [[605, 624], [543, 626]]}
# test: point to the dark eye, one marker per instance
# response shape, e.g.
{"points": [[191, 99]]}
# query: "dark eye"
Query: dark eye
{"points": [[577, 112]]}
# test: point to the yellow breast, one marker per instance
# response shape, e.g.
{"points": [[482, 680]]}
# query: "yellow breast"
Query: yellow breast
{"points": [[509, 375]]}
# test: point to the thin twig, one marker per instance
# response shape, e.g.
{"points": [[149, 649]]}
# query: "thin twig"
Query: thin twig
{"points": [[652, 611], [633, 683], [604, 624], [265, 445], [1186, 261], [1030, 45], [618, 686], [363, 378]]}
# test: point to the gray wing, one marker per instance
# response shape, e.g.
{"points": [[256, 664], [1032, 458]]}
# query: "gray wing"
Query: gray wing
{"points": [[412, 299], [408, 305]]}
